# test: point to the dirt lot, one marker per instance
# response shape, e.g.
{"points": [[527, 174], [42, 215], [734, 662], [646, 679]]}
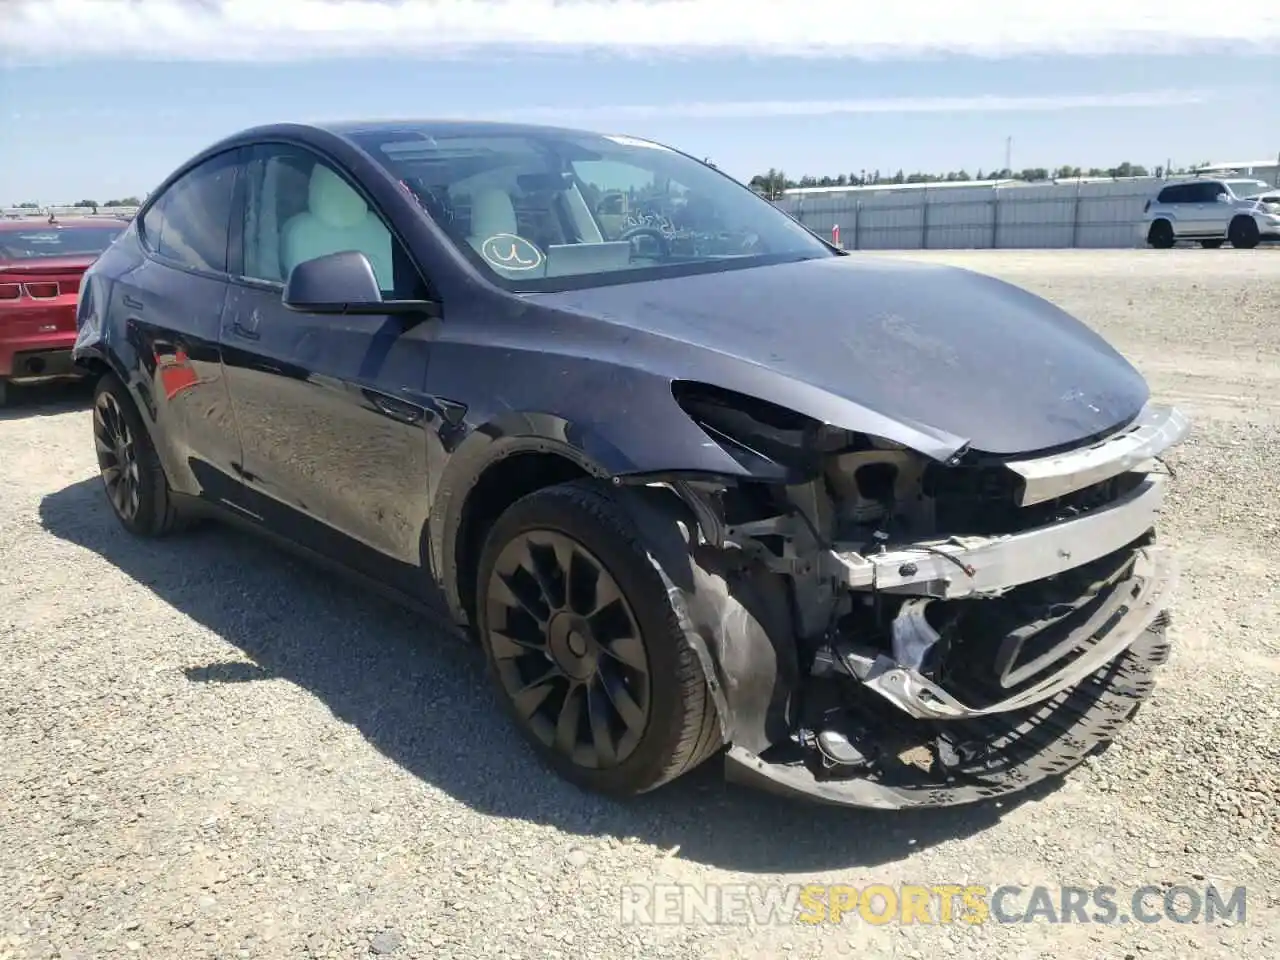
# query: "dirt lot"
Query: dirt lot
{"points": [[207, 749]]}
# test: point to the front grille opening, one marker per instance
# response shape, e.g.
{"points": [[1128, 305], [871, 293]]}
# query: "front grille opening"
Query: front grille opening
{"points": [[1004, 645]]}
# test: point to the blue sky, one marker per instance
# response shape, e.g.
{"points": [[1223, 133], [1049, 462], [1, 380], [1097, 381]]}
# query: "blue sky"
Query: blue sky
{"points": [[109, 95]]}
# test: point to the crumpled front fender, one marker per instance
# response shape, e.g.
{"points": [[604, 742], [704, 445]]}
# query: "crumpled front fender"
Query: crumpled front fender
{"points": [[734, 613]]}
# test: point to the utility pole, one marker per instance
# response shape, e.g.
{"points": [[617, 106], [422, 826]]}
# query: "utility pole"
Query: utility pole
{"points": [[1008, 155]]}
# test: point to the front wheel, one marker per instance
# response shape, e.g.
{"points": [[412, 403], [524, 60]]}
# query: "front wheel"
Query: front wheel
{"points": [[135, 483], [1243, 233], [584, 648]]}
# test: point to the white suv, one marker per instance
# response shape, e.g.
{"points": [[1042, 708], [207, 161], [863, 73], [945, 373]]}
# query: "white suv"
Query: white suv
{"points": [[1245, 212]]}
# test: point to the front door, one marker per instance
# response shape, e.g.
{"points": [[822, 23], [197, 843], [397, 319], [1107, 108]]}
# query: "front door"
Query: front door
{"points": [[1207, 215], [330, 408]]}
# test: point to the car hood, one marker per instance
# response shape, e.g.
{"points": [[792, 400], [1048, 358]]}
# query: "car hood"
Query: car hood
{"points": [[938, 348]]}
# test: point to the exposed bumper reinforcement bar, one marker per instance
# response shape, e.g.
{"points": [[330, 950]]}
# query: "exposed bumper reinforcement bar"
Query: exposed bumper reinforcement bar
{"points": [[1155, 429], [976, 566]]}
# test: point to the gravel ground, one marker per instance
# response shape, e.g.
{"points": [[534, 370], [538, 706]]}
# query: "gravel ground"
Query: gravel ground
{"points": [[210, 750]]}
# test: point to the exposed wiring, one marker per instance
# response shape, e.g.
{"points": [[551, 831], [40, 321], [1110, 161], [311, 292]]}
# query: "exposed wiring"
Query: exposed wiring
{"points": [[812, 528], [969, 569]]}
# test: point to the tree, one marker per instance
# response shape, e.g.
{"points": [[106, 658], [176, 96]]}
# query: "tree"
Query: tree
{"points": [[774, 182], [29, 205]]}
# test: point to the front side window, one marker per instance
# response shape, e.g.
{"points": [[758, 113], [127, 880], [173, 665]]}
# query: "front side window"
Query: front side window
{"points": [[299, 207], [57, 240], [1248, 188], [188, 223], [547, 210]]}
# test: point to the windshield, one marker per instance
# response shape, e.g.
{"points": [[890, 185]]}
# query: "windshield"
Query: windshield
{"points": [[1247, 188], [543, 211], [55, 241]]}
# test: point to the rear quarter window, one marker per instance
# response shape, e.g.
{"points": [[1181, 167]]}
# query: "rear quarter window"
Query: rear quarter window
{"points": [[189, 223]]}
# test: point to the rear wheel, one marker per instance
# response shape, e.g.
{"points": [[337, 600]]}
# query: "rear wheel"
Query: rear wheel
{"points": [[135, 483], [1160, 235], [1243, 233], [584, 648], [1211, 244], [4, 392]]}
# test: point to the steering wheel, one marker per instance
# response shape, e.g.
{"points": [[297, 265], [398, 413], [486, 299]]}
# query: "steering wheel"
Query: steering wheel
{"points": [[664, 247]]}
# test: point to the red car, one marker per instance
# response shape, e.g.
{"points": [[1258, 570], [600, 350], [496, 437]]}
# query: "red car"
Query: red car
{"points": [[41, 263]]}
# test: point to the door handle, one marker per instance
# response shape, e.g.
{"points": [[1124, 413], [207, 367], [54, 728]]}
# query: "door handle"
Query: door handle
{"points": [[241, 330], [132, 303], [398, 409]]}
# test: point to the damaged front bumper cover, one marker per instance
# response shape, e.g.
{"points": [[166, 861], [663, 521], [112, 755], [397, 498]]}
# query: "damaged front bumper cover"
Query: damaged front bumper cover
{"points": [[1152, 581], [1135, 603]]}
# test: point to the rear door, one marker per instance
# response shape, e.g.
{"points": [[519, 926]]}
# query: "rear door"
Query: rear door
{"points": [[172, 304], [335, 437], [1179, 201]]}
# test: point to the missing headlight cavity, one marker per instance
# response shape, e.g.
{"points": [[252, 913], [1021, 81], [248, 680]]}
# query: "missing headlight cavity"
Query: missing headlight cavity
{"points": [[754, 431]]}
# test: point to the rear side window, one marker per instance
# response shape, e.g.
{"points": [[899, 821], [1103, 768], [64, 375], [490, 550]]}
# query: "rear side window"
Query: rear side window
{"points": [[1176, 194], [189, 222]]}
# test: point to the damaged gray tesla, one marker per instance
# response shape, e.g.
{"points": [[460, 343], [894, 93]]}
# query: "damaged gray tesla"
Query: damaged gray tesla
{"points": [[873, 532]]}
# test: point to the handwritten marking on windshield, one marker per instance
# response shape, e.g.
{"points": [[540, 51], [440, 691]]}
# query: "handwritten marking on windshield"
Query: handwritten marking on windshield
{"points": [[510, 252]]}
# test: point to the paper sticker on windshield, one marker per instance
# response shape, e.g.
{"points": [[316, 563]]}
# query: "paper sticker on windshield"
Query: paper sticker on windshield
{"points": [[510, 252], [634, 142]]}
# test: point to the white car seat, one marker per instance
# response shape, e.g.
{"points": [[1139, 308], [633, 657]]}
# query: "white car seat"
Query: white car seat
{"points": [[492, 213], [337, 219]]}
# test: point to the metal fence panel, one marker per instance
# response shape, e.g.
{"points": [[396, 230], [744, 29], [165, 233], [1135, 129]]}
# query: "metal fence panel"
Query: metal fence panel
{"points": [[1099, 214]]}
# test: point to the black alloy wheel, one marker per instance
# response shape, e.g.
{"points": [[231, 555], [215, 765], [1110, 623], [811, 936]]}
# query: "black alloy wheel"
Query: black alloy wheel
{"points": [[1243, 233], [117, 457], [132, 475], [568, 650], [587, 653]]}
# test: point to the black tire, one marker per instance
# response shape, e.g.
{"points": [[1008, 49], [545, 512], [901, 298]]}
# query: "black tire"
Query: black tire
{"points": [[4, 392], [1243, 233], [1160, 235], [1211, 244], [143, 501], [681, 729]]}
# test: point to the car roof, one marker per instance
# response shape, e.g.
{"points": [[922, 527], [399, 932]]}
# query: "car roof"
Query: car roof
{"points": [[447, 128]]}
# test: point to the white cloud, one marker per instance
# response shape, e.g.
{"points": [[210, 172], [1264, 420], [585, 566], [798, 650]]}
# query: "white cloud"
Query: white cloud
{"points": [[732, 109], [294, 29]]}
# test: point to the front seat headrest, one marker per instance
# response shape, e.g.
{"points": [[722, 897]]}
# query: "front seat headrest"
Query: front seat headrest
{"points": [[492, 212], [332, 201]]}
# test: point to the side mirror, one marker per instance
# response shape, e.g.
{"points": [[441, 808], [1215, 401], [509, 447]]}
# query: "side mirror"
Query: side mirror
{"points": [[344, 283], [1223, 198]]}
